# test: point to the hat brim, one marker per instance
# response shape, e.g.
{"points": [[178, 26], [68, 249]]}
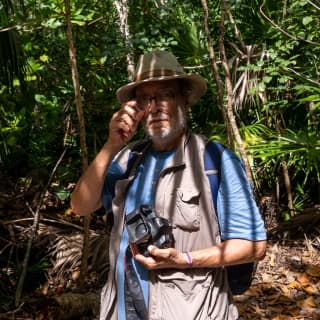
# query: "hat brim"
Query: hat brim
{"points": [[198, 86]]}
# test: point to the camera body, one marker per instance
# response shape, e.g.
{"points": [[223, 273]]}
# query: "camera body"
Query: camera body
{"points": [[145, 227]]}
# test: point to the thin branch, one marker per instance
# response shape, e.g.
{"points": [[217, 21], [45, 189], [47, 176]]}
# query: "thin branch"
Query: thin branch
{"points": [[6, 246], [293, 37], [303, 76], [313, 4], [82, 129], [29, 207], [25, 24], [94, 21], [13, 312], [229, 88], [13, 27], [34, 231], [236, 30], [212, 56], [69, 224], [235, 47], [200, 66], [215, 69]]}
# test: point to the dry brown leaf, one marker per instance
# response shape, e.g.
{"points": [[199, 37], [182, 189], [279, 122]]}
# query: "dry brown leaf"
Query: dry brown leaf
{"points": [[274, 299], [295, 313], [273, 260], [281, 317], [294, 285], [303, 279], [307, 303], [256, 309], [285, 289], [267, 278], [286, 301], [313, 271], [310, 289], [253, 291], [266, 286]]}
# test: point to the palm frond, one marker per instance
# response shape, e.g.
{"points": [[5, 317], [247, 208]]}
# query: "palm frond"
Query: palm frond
{"points": [[299, 149], [247, 77]]}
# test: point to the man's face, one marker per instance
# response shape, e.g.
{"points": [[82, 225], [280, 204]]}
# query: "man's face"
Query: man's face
{"points": [[165, 111]]}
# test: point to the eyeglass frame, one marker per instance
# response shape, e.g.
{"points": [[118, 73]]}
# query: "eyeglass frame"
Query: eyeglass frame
{"points": [[160, 98]]}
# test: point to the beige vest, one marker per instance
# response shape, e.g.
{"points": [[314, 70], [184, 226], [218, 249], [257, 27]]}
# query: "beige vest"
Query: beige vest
{"points": [[183, 196]]}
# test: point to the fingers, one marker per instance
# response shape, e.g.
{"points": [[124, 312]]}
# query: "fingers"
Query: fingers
{"points": [[161, 253], [124, 123], [161, 258], [130, 114]]}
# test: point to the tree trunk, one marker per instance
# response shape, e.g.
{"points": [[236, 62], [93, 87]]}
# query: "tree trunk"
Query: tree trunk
{"points": [[287, 184], [229, 88], [215, 70], [82, 131], [122, 8], [227, 111]]}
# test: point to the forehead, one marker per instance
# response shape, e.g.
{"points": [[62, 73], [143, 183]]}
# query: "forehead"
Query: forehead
{"points": [[157, 86]]}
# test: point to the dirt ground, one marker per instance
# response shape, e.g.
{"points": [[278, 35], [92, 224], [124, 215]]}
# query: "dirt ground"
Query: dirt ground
{"points": [[286, 283]]}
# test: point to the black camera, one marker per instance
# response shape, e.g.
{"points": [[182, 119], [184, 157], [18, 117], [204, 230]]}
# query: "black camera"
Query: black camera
{"points": [[145, 228]]}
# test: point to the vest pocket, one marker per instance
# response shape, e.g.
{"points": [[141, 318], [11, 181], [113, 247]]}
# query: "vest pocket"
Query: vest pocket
{"points": [[182, 208], [184, 295]]}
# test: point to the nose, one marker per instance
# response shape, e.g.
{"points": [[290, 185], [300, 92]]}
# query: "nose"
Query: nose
{"points": [[153, 105], [151, 99]]}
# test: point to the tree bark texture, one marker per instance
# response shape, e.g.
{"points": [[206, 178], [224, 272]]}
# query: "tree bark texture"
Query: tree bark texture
{"points": [[287, 184], [215, 69], [82, 130], [123, 9], [229, 89]]}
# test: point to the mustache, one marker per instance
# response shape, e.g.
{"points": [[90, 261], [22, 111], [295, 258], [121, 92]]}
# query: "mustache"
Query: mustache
{"points": [[151, 118]]}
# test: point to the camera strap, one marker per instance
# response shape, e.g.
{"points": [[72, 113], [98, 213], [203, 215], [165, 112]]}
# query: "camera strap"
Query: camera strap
{"points": [[135, 305]]}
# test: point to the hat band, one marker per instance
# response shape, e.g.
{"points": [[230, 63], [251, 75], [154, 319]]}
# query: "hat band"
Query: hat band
{"points": [[157, 73]]}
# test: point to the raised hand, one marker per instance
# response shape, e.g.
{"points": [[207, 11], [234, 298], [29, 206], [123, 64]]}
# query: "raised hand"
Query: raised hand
{"points": [[124, 123]]}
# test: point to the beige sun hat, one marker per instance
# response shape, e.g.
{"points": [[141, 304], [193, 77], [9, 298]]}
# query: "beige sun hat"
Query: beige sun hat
{"points": [[159, 66]]}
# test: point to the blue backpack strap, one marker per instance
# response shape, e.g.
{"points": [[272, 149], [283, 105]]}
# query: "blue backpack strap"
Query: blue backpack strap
{"points": [[133, 156], [212, 166]]}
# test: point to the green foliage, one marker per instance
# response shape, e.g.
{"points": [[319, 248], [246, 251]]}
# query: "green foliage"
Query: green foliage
{"points": [[297, 148], [275, 76], [11, 54], [301, 153]]}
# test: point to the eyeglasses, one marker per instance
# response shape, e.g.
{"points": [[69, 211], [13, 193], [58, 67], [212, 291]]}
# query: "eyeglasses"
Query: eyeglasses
{"points": [[161, 98]]}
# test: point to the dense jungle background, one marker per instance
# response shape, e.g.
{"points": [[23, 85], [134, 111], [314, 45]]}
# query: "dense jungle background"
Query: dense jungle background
{"points": [[61, 63]]}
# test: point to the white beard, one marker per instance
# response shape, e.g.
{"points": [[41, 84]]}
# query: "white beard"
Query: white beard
{"points": [[171, 133]]}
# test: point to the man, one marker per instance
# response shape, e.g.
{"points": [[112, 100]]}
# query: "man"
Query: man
{"points": [[187, 280]]}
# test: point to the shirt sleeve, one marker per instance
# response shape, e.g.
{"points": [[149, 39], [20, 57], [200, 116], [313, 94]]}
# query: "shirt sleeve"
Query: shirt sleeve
{"points": [[114, 173], [238, 213]]}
